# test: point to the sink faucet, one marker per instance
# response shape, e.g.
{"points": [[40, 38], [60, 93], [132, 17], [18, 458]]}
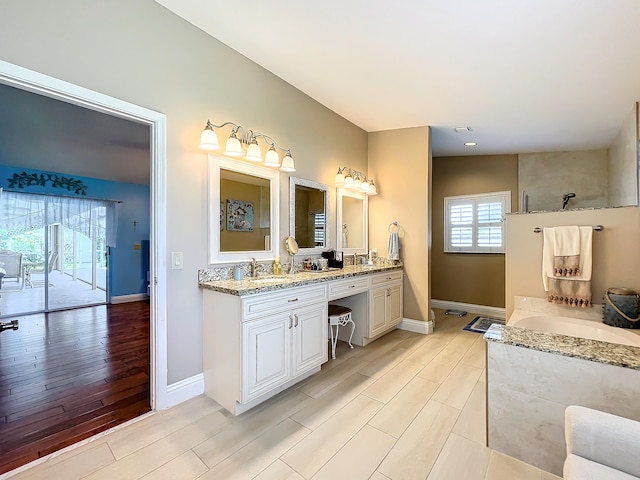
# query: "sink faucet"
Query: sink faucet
{"points": [[254, 269], [355, 257]]}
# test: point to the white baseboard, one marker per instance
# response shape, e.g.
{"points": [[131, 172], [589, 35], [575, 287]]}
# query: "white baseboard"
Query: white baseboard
{"points": [[185, 389], [135, 297], [497, 312], [416, 326]]}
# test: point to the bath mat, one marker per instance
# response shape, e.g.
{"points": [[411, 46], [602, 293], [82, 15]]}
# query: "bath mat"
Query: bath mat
{"points": [[482, 324]]}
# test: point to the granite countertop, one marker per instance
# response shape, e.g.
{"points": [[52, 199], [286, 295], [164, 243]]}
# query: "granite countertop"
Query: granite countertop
{"points": [[299, 279], [593, 350]]}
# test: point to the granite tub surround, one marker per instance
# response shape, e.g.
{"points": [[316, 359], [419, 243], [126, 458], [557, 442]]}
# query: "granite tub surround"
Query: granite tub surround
{"points": [[209, 279], [591, 350], [529, 388], [542, 306]]}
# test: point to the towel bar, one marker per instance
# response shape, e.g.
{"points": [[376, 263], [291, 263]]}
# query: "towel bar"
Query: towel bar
{"points": [[597, 228]]}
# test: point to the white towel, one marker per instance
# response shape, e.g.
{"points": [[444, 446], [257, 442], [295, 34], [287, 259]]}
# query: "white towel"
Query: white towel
{"points": [[573, 290], [566, 251], [393, 250]]}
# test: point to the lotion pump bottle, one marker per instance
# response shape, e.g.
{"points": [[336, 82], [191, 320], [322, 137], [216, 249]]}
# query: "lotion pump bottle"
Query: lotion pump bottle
{"points": [[277, 266]]}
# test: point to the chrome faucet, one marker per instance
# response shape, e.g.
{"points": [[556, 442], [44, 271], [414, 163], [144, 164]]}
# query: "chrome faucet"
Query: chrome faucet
{"points": [[356, 255], [254, 269]]}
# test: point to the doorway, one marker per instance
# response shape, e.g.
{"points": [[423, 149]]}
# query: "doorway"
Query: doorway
{"points": [[34, 82]]}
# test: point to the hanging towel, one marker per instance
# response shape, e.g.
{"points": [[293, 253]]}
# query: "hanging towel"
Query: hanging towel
{"points": [[566, 251], [574, 290], [393, 251]]}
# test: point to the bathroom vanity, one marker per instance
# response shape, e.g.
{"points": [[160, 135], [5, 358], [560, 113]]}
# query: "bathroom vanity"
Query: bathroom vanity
{"points": [[260, 336]]}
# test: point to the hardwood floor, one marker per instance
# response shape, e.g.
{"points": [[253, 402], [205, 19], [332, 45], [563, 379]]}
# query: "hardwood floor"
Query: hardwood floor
{"points": [[65, 376]]}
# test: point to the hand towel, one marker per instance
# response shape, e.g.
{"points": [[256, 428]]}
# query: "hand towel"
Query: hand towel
{"points": [[574, 290], [566, 259], [393, 250]]}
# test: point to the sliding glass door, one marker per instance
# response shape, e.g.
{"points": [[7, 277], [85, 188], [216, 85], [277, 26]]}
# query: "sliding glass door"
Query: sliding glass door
{"points": [[64, 261]]}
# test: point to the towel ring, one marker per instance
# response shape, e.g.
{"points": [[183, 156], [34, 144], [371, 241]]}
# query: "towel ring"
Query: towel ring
{"points": [[393, 225]]}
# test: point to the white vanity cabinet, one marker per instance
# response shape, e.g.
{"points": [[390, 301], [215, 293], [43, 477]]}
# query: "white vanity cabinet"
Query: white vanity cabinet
{"points": [[281, 347], [257, 345], [385, 302]]}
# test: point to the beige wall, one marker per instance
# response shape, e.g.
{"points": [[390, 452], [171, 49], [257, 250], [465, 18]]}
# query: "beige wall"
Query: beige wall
{"points": [[546, 176], [400, 164], [477, 279], [141, 53], [616, 250], [623, 163]]}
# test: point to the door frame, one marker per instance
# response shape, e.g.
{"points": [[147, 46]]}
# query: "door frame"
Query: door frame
{"points": [[29, 80]]}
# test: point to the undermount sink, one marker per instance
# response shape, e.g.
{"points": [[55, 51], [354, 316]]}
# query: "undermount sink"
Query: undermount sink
{"points": [[267, 280]]}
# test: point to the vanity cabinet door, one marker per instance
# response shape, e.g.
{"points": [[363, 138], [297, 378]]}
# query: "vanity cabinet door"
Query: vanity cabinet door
{"points": [[267, 354], [394, 305], [377, 311], [309, 337]]}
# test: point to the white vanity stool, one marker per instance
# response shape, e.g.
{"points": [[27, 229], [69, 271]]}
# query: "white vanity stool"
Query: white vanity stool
{"points": [[339, 316]]}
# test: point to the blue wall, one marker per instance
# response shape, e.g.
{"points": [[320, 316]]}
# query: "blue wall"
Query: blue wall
{"points": [[128, 268]]}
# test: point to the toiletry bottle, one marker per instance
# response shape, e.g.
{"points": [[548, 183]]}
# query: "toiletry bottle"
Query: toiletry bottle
{"points": [[277, 266]]}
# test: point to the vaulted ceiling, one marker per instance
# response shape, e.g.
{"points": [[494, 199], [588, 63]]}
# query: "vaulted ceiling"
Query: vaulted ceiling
{"points": [[525, 75]]}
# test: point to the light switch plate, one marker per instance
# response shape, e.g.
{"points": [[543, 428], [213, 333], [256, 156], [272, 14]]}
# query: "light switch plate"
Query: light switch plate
{"points": [[177, 260]]}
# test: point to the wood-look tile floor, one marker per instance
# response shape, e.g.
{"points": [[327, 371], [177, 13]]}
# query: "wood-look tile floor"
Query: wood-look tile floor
{"points": [[407, 406]]}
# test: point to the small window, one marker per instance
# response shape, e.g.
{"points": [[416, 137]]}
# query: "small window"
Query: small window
{"points": [[474, 223]]}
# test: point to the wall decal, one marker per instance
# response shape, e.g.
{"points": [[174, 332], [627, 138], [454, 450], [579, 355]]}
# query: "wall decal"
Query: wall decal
{"points": [[24, 179]]}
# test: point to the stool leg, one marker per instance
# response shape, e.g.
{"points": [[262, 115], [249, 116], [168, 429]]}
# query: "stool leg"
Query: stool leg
{"points": [[353, 329], [334, 340]]}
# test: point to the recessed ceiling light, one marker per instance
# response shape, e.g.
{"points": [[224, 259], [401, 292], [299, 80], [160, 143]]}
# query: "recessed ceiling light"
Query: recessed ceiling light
{"points": [[462, 129], [470, 144]]}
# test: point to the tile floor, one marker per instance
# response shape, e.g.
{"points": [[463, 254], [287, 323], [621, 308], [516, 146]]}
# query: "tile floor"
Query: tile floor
{"points": [[408, 406]]}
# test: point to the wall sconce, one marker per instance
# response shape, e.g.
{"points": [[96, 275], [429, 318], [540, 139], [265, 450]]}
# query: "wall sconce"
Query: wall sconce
{"points": [[355, 180], [244, 143]]}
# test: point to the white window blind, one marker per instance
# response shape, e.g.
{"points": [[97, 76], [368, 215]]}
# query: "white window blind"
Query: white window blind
{"points": [[474, 223]]}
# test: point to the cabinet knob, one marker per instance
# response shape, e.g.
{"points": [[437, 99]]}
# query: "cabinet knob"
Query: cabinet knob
{"points": [[290, 322], [295, 315], [292, 300]]}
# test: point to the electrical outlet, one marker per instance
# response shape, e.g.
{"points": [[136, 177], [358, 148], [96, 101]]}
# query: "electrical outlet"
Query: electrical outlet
{"points": [[177, 260]]}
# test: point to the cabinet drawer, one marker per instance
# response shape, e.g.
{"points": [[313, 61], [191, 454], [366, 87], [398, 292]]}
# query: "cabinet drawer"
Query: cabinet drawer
{"points": [[350, 286], [392, 276], [271, 302]]}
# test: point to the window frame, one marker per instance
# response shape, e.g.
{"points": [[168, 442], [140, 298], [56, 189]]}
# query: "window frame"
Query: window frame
{"points": [[504, 198]]}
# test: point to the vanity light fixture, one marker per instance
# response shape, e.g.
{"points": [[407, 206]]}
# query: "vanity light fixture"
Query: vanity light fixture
{"points": [[355, 180], [244, 143]]}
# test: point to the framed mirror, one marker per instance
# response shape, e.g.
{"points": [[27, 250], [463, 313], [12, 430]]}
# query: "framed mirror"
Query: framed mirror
{"points": [[309, 215], [352, 212], [243, 211]]}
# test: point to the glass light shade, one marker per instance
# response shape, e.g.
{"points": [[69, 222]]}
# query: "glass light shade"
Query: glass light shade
{"points": [[254, 154], [272, 159], [233, 148], [356, 183], [364, 186], [372, 189], [209, 140], [339, 179], [348, 181], [287, 164]]}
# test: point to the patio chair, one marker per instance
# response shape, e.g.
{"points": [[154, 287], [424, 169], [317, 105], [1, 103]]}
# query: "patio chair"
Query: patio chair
{"points": [[11, 263], [53, 258]]}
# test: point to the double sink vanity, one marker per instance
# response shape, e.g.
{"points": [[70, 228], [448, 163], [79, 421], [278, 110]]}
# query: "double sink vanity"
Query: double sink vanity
{"points": [[262, 335]]}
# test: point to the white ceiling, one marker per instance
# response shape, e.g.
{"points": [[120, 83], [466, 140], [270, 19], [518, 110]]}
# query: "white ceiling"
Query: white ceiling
{"points": [[525, 75]]}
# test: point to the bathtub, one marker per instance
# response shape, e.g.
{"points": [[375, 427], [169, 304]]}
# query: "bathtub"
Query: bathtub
{"points": [[574, 327]]}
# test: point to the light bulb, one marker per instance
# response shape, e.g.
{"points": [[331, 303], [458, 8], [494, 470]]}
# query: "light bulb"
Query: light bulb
{"points": [[287, 164], [272, 159], [209, 139], [254, 154], [233, 147]]}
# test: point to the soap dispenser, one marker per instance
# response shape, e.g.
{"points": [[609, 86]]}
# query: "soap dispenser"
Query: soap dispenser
{"points": [[277, 266]]}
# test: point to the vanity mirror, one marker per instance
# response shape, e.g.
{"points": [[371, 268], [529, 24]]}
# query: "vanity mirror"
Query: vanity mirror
{"points": [[352, 221], [309, 214], [243, 211]]}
